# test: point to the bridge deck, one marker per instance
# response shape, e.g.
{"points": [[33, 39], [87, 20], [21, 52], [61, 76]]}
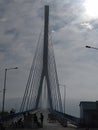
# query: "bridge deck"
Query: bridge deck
{"points": [[48, 125]]}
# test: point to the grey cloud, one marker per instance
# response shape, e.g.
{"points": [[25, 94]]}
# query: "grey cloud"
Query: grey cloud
{"points": [[2, 8], [94, 23], [13, 32]]}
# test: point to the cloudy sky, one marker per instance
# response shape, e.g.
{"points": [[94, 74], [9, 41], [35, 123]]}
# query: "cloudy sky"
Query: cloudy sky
{"points": [[73, 25]]}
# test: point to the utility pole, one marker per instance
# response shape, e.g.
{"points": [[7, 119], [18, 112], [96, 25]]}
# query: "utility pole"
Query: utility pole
{"points": [[4, 89], [64, 96], [3, 102], [64, 103]]}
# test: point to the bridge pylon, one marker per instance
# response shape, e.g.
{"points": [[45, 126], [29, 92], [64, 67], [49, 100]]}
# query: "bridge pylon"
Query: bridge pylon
{"points": [[43, 69], [45, 62]]}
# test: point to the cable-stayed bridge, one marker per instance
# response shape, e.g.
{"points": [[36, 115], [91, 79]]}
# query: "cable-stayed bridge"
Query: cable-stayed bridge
{"points": [[43, 75], [43, 84]]}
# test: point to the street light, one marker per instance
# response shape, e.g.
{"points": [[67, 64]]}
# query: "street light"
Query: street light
{"points": [[64, 94], [3, 101], [91, 47]]}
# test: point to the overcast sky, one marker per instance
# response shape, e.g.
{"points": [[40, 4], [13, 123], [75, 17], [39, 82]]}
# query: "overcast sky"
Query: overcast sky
{"points": [[73, 24]]}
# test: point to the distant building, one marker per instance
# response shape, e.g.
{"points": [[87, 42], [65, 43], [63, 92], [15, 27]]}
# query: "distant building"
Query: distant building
{"points": [[89, 113]]}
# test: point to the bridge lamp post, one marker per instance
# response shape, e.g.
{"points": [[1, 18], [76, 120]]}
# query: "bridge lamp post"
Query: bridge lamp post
{"points": [[91, 47], [64, 95], [4, 89]]}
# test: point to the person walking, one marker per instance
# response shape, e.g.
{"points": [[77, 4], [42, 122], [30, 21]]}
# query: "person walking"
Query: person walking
{"points": [[41, 119]]}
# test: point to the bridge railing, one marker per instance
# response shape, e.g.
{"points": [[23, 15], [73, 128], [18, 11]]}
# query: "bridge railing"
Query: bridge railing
{"points": [[15, 115], [63, 118]]}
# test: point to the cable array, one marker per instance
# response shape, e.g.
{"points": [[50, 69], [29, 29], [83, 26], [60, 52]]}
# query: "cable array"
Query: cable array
{"points": [[43, 78]]}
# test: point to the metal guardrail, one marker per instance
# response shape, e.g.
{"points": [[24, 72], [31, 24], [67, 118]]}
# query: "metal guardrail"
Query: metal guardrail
{"points": [[63, 118], [15, 115]]}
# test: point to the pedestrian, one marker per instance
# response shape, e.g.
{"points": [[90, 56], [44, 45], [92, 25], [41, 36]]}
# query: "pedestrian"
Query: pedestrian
{"points": [[36, 120], [41, 119]]}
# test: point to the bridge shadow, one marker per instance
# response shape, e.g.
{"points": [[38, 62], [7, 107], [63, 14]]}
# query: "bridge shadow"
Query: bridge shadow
{"points": [[49, 123], [52, 124]]}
